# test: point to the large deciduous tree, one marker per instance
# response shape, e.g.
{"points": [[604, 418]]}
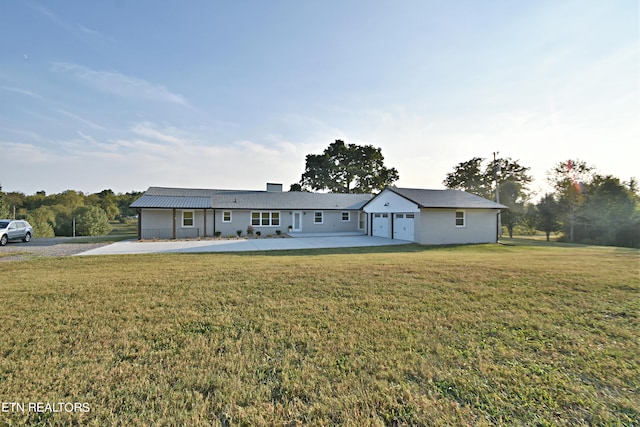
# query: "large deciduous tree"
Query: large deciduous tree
{"points": [[4, 206], [347, 168], [511, 178], [595, 209], [569, 179], [547, 218], [91, 221], [609, 207], [468, 176], [472, 177], [42, 220], [511, 196], [530, 218]]}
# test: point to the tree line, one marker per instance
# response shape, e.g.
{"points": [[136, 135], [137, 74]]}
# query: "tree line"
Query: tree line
{"points": [[63, 213], [585, 206]]}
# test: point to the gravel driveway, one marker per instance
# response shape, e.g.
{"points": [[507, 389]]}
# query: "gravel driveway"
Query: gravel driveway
{"points": [[54, 246]]}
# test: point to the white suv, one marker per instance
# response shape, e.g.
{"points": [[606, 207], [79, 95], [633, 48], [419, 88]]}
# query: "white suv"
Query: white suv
{"points": [[11, 229]]}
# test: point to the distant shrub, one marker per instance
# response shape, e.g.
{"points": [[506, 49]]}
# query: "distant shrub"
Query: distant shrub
{"points": [[91, 221]]}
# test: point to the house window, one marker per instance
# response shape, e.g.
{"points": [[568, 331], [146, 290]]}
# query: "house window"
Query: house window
{"points": [[411, 216], [226, 216], [265, 219], [187, 218], [460, 219], [318, 217], [346, 216], [361, 220]]}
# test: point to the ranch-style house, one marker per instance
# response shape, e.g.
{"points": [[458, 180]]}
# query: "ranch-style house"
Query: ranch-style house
{"points": [[429, 217]]}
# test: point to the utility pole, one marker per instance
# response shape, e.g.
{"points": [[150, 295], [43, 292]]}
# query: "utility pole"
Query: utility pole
{"points": [[496, 169]]}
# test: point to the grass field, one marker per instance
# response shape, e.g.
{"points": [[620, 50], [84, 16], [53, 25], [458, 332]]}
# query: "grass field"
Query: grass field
{"points": [[119, 231], [406, 335]]}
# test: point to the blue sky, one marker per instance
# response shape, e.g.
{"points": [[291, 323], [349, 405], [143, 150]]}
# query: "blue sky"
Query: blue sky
{"points": [[131, 94]]}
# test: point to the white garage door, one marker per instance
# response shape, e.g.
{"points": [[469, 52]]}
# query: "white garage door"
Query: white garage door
{"points": [[381, 225], [403, 226]]}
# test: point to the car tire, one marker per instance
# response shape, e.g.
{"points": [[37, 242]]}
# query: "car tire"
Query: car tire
{"points": [[27, 238], [3, 240]]}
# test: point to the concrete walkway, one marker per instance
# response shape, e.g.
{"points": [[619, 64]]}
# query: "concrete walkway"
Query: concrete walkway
{"points": [[243, 245]]}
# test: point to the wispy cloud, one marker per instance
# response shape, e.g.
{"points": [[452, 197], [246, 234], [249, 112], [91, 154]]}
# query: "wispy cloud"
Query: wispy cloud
{"points": [[149, 130], [24, 133], [79, 31], [46, 12], [27, 153], [82, 120], [120, 84], [87, 138], [22, 92], [89, 31]]}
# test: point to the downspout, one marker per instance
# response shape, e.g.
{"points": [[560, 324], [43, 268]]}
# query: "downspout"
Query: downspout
{"points": [[371, 224], [392, 221], [174, 224]]}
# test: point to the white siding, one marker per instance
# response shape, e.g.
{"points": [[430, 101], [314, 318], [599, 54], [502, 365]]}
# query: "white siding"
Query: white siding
{"points": [[158, 224], [156, 219], [438, 227], [331, 222], [389, 202]]}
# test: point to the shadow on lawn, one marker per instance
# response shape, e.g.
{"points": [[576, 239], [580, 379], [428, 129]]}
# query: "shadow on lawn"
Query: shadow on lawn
{"points": [[526, 242], [392, 249], [504, 244]]}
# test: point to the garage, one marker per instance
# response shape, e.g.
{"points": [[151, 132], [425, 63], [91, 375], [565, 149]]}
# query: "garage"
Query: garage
{"points": [[381, 226], [404, 226]]}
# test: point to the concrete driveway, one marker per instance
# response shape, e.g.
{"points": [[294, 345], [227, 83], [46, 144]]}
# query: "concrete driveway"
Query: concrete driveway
{"points": [[311, 241]]}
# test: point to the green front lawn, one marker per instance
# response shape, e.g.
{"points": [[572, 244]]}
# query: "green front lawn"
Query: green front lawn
{"points": [[469, 335]]}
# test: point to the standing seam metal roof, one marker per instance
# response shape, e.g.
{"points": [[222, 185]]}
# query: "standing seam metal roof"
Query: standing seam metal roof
{"points": [[188, 198], [176, 202]]}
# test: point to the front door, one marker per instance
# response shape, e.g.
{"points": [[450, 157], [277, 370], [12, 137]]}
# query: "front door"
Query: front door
{"points": [[297, 221]]}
